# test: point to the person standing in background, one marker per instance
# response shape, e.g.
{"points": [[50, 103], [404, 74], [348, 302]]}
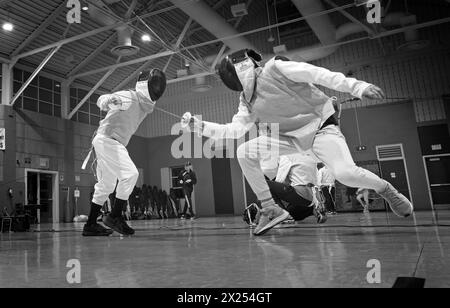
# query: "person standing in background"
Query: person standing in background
{"points": [[188, 179], [362, 195], [327, 183]]}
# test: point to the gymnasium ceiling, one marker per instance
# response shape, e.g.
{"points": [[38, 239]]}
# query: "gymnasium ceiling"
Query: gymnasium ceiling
{"points": [[41, 23]]}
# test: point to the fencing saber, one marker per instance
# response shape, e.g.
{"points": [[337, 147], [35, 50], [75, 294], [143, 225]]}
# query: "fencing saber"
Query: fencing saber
{"points": [[178, 117]]}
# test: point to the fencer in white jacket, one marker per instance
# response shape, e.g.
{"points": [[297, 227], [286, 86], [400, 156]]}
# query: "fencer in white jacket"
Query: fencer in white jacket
{"points": [[284, 92], [296, 184], [115, 170]]}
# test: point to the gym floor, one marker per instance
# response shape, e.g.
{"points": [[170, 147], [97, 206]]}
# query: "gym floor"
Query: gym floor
{"points": [[221, 252]]}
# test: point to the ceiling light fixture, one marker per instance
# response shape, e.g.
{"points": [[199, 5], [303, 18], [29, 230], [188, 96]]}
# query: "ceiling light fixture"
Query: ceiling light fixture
{"points": [[85, 6], [146, 38], [7, 26]]}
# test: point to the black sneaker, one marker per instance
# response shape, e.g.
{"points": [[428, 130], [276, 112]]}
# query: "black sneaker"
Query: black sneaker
{"points": [[118, 224], [96, 230]]}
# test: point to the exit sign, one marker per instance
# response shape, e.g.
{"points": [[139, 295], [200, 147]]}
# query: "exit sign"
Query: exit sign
{"points": [[436, 147], [44, 163]]}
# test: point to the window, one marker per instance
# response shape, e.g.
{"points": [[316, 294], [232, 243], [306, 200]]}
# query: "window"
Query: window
{"points": [[30, 104], [43, 95], [45, 108], [89, 113]]}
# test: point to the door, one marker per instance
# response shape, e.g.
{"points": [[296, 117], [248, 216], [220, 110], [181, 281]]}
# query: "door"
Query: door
{"points": [[32, 192], [393, 167], [41, 192], [438, 169], [222, 185], [46, 197]]}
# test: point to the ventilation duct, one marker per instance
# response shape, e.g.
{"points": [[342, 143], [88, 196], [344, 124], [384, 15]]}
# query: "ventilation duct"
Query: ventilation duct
{"points": [[389, 152], [322, 26], [201, 85], [316, 52], [125, 47], [209, 19], [412, 38]]}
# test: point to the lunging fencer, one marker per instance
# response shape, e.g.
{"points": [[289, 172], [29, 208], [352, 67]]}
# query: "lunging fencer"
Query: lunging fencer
{"points": [[126, 111], [283, 92]]}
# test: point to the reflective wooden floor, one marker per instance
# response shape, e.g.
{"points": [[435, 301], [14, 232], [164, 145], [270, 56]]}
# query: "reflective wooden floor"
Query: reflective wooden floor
{"points": [[221, 252]]}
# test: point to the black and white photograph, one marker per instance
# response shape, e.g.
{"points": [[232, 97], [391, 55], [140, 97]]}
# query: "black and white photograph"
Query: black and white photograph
{"points": [[224, 152]]}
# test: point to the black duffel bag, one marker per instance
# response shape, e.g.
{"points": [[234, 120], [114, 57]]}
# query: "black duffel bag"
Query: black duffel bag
{"points": [[21, 223]]}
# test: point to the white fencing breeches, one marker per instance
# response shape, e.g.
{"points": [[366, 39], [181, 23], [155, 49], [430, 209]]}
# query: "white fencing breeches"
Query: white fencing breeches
{"points": [[329, 147], [113, 163]]}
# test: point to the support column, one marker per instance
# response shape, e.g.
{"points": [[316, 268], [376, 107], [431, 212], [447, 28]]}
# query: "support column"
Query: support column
{"points": [[8, 157], [447, 110], [7, 83], [65, 99]]}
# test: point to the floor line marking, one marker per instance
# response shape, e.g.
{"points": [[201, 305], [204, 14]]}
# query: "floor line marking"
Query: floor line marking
{"points": [[418, 261]]}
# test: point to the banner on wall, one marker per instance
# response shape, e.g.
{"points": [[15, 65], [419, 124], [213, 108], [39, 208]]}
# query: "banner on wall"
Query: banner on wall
{"points": [[2, 139]]}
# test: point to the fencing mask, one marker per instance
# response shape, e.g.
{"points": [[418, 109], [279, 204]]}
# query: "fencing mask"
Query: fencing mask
{"points": [[152, 84], [237, 71]]}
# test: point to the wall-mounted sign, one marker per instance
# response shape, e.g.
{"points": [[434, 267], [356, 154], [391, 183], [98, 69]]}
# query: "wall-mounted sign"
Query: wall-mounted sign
{"points": [[436, 147], [77, 178], [2, 139], [44, 163]]}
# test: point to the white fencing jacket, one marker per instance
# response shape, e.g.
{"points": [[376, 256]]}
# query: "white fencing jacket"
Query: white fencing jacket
{"points": [[326, 178], [126, 111], [298, 170], [285, 94]]}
